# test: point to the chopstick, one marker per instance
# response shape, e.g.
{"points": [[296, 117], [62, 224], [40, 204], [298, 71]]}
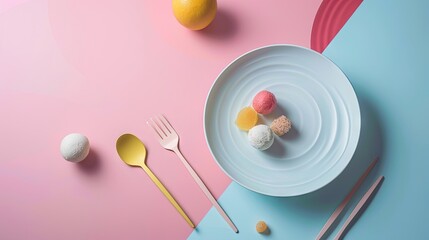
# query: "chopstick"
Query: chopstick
{"points": [[346, 200], [358, 207]]}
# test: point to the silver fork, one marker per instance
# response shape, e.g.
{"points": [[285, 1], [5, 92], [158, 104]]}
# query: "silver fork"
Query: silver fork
{"points": [[169, 139]]}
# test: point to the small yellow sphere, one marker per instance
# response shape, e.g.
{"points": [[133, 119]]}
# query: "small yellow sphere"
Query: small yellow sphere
{"points": [[194, 14], [261, 227], [246, 118]]}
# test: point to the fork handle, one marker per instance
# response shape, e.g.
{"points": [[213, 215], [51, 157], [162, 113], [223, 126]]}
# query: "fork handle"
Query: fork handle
{"points": [[167, 195], [205, 189]]}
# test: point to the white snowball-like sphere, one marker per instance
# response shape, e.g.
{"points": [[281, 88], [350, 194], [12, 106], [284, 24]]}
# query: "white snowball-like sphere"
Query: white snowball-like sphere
{"points": [[74, 147], [261, 137]]}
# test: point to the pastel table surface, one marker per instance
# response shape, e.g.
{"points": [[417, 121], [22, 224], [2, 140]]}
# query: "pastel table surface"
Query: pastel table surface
{"points": [[383, 50], [104, 69]]}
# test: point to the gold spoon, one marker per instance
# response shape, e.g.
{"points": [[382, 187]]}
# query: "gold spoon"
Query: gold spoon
{"points": [[133, 152]]}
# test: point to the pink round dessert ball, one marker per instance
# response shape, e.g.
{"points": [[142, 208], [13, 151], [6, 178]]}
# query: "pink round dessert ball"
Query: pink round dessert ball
{"points": [[264, 102]]}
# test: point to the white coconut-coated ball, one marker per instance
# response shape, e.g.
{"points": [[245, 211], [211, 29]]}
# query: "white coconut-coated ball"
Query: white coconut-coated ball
{"points": [[261, 137], [74, 147]]}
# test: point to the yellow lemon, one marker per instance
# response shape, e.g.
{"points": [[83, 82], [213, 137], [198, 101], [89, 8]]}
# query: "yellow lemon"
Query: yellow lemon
{"points": [[195, 14]]}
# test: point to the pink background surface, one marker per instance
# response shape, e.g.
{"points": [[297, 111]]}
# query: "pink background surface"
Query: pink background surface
{"points": [[102, 68]]}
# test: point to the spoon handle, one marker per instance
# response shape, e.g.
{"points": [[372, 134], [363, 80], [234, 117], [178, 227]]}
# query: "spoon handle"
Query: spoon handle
{"points": [[167, 195]]}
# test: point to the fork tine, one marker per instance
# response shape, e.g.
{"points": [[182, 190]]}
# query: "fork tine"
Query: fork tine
{"points": [[155, 133], [159, 125], [162, 125], [156, 128], [167, 123]]}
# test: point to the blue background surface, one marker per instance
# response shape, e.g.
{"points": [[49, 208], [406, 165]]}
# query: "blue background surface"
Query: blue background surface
{"points": [[383, 50]]}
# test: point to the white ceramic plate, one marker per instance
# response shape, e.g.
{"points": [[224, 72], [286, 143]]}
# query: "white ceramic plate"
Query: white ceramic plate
{"points": [[312, 92]]}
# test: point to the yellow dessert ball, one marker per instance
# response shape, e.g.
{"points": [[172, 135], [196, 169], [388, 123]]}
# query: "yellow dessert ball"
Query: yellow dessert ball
{"points": [[246, 118], [261, 227]]}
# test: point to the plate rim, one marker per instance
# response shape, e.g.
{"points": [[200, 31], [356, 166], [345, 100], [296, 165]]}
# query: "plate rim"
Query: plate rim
{"points": [[358, 120]]}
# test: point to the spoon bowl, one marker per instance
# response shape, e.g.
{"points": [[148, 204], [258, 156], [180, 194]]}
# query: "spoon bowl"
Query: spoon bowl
{"points": [[131, 150]]}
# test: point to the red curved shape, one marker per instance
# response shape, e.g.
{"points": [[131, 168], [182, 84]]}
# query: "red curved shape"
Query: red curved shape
{"points": [[330, 18]]}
